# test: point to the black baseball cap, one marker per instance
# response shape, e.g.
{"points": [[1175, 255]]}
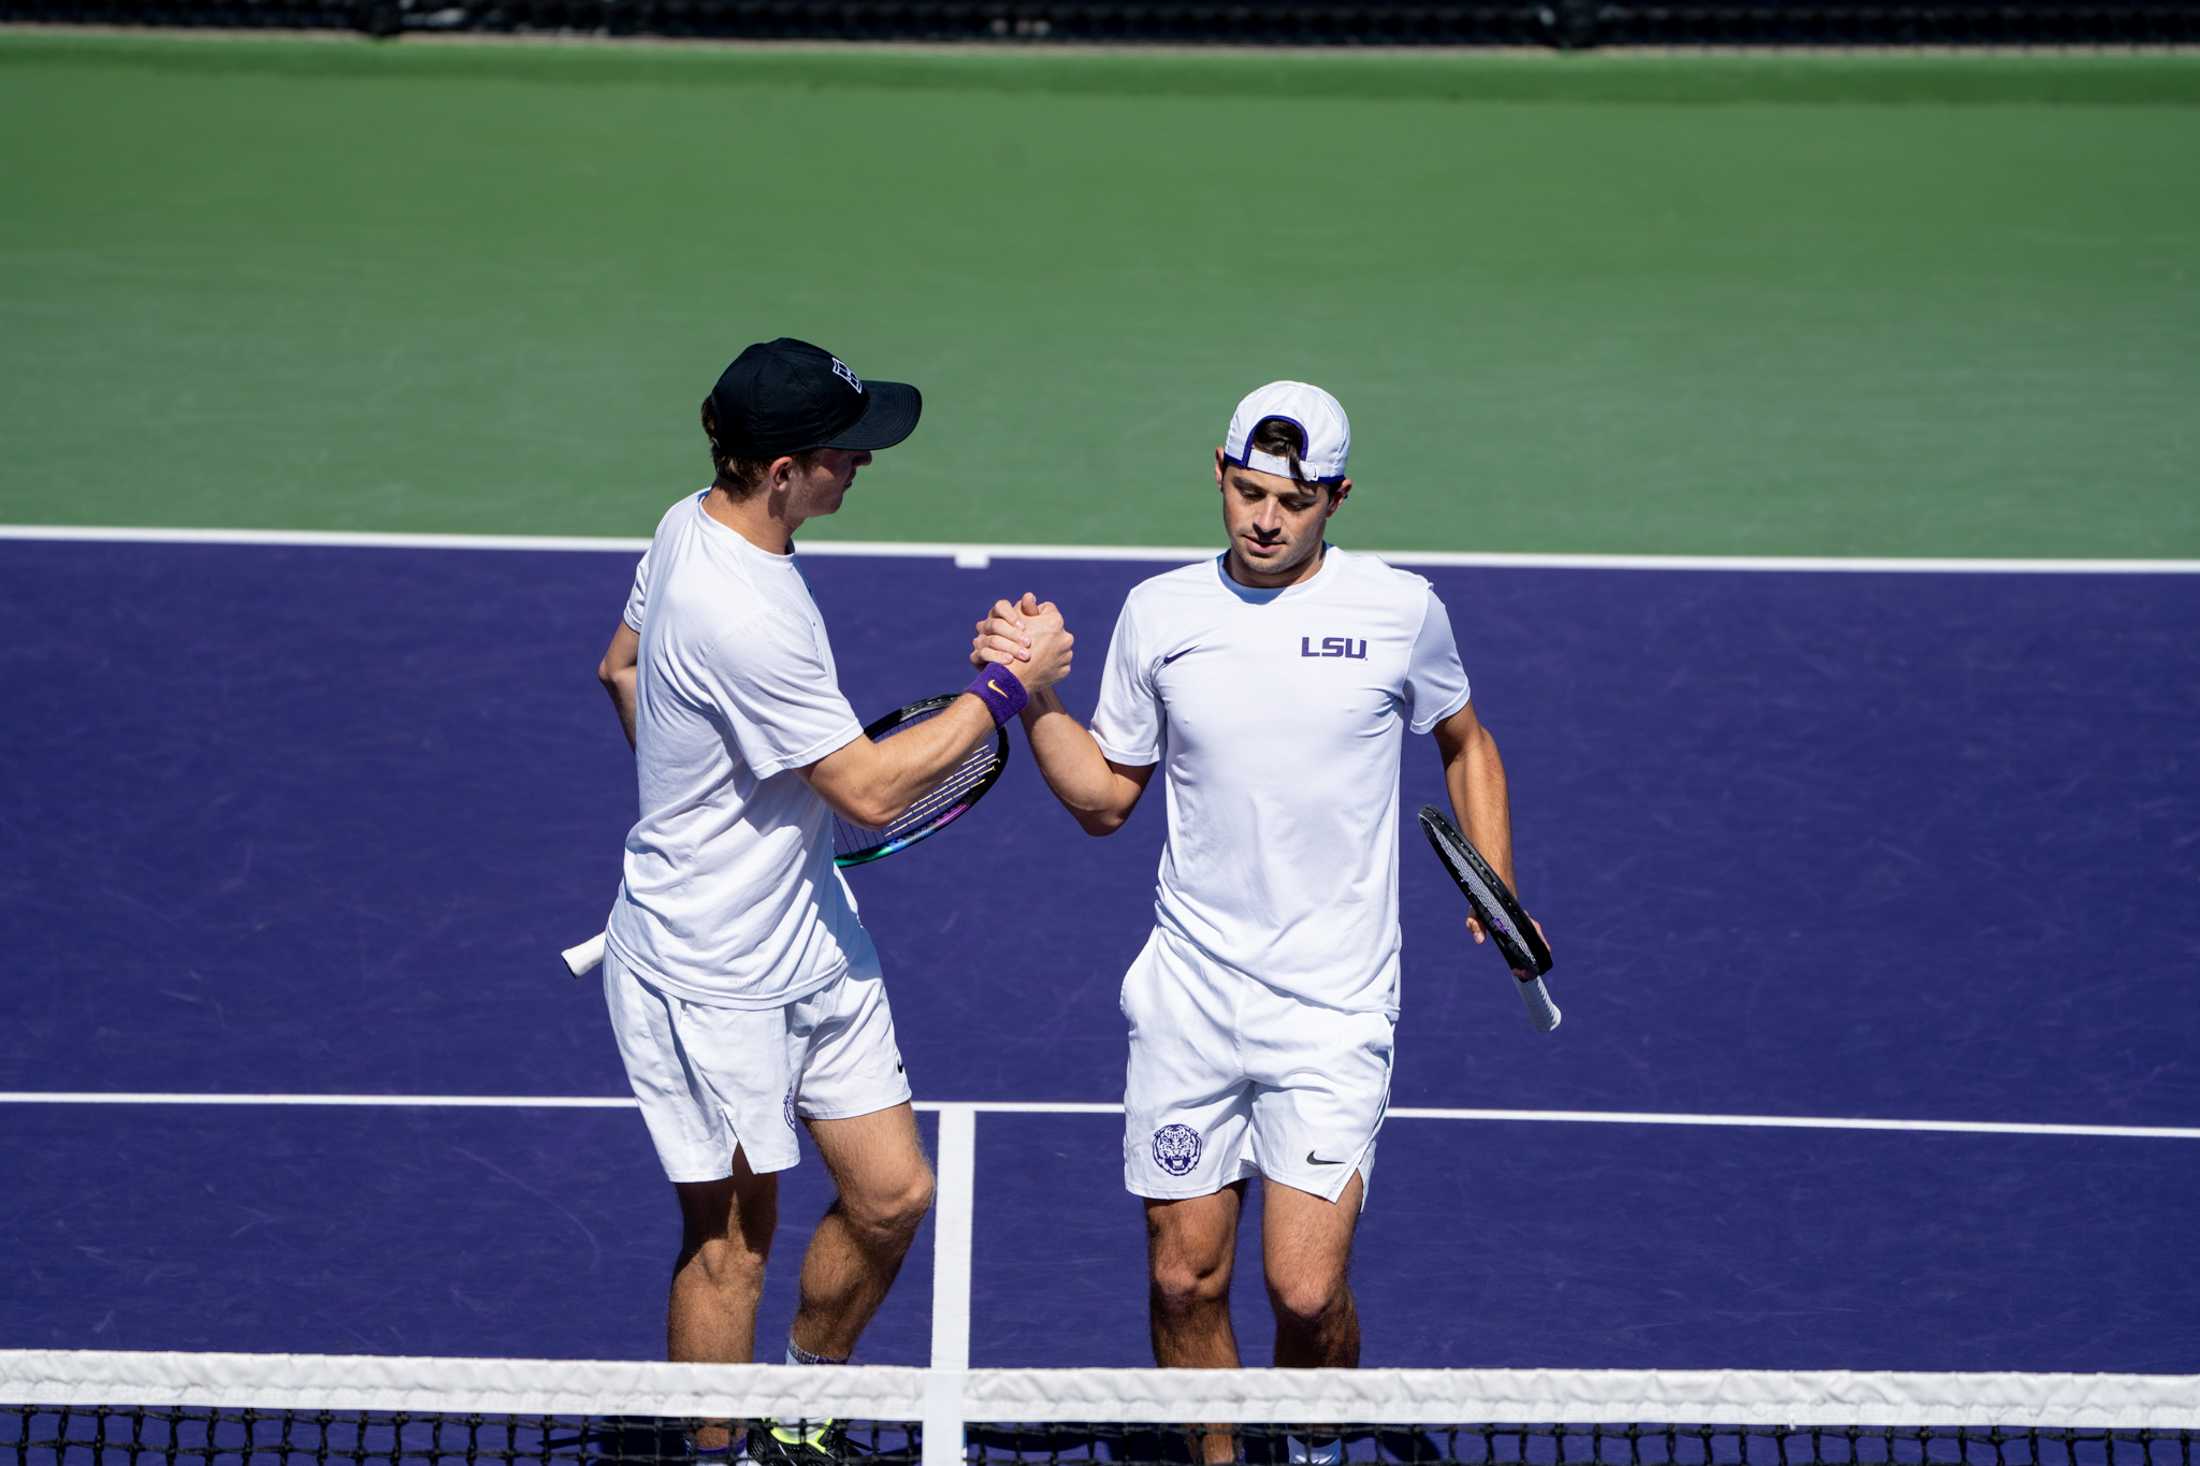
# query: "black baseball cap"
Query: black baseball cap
{"points": [[787, 396]]}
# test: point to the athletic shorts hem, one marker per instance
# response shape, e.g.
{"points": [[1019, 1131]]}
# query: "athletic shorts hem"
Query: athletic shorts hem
{"points": [[725, 1172], [716, 1082], [1152, 1194], [1328, 1193], [1246, 1172], [1230, 1078], [855, 1112]]}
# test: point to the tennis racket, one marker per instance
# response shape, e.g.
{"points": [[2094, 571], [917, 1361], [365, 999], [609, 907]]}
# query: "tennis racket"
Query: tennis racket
{"points": [[931, 812], [1517, 939]]}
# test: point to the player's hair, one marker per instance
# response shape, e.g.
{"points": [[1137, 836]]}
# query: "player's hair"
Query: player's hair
{"points": [[742, 477], [1285, 439]]}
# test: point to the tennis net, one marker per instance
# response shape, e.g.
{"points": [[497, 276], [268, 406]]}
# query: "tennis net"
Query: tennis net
{"points": [[95, 1408]]}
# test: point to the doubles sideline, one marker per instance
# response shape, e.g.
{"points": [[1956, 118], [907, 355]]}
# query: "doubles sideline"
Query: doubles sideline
{"points": [[962, 1113], [979, 557]]}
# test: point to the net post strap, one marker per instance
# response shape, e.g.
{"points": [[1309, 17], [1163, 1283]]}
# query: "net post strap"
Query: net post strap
{"points": [[944, 1417], [1140, 1396]]}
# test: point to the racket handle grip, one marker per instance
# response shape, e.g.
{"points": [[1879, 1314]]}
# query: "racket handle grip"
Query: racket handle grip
{"points": [[586, 958], [1542, 1012]]}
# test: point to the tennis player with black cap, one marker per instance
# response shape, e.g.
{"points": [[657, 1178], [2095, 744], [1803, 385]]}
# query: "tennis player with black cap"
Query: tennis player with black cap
{"points": [[744, 992]]}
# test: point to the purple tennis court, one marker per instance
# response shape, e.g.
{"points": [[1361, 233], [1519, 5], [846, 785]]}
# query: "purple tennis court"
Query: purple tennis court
{"points": [[1875, 897]]}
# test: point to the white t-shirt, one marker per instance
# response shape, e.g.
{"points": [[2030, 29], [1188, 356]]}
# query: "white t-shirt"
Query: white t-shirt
{"points": [[730, 894], [1276, 715]]}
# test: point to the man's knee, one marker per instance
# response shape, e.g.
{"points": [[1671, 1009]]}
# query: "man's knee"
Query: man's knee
{"points": [[1308, 1298], [1181, 1283], [1189, 1248], [1188, 1259], [893, 1212]]}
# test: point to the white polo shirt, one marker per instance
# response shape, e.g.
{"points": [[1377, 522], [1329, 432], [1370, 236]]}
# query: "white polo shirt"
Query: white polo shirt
{"points": [[730, 895], [1277, 717]]}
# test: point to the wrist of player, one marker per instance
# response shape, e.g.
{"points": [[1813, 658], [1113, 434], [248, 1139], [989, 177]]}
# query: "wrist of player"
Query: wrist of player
{"points": [[1001, 690]]}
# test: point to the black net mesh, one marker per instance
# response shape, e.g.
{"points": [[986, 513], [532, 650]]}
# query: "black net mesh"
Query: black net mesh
{"points": [[235, 1437]]}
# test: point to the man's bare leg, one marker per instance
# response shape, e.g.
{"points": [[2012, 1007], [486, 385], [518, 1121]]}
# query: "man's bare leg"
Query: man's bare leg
{"points": [[1306, 1252], [1306, 1247], [1190, 1246], [885, 1183], [725, 1238]]}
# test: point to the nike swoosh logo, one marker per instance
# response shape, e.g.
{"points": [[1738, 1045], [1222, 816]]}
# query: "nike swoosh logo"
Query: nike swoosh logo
{"points": [[1315, 1160], [1174, 655]]}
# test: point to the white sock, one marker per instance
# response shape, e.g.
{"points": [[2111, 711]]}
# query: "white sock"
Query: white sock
{"points": [[796, 1354]]}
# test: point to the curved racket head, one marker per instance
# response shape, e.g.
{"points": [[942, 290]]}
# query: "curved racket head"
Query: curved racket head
{"points": [[1502, 917], [940, 806]]}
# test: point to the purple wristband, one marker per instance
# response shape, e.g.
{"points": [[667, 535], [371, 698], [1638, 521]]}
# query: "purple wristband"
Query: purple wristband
{"points": [[1001, 691]]}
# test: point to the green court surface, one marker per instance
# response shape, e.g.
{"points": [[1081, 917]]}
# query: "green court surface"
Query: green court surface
{"points": [[1784, 305]]}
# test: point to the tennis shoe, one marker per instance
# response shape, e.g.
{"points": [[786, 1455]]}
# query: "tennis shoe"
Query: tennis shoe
{"points": [[800, 1443]]}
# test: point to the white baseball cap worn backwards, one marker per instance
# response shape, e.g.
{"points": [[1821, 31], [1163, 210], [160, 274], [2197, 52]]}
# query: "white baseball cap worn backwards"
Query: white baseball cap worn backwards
{"points": [[1319, 416]]}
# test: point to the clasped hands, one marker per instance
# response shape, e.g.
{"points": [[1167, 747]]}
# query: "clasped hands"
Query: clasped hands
{"points": [[1027, 637]]}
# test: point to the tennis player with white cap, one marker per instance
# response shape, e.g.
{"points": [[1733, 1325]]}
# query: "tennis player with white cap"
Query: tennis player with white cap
{"points": [[1272, 682]]}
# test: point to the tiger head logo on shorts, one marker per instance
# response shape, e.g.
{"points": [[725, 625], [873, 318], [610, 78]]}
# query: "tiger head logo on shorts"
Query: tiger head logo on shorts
{"points": [[1176, 1149]]}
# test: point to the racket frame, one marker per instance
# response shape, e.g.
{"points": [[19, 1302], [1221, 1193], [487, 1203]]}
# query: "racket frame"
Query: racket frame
{"points": [[882, 727], [1508, 925]]}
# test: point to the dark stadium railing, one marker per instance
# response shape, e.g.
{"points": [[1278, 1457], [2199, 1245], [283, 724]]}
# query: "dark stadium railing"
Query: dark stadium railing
{"points": [[1563, 24]]}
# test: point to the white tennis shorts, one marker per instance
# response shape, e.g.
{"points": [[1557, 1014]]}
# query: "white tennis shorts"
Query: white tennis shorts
{"points": [[712, 1079], [1230, 1078]]}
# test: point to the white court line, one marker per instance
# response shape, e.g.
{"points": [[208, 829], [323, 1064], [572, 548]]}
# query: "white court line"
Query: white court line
{"points": [[957, 1160], [948, 1108], [951, 1214], [340, 1101], [980, 557], [1806, 1122]]}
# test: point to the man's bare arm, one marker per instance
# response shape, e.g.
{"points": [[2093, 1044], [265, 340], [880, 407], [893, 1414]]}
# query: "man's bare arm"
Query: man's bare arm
{"points": [[1474, 777], [618, 672], [1098, 791], [875, 783]]}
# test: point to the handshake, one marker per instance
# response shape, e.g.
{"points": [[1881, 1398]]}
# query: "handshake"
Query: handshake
{"points": [[1028, 638]]}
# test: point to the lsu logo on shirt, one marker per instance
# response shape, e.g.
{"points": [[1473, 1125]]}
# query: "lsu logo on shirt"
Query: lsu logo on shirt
{"points": [[1334, 646]]}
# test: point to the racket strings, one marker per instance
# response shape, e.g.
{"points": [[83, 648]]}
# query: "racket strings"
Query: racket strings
{"points": [[933, 803], [975, 768], [1491, 904], [1488, 906], [1486, 901]]}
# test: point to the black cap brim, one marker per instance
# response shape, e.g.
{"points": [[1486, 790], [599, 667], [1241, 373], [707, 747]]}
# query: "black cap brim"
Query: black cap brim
{"points": [[888, 417]]}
